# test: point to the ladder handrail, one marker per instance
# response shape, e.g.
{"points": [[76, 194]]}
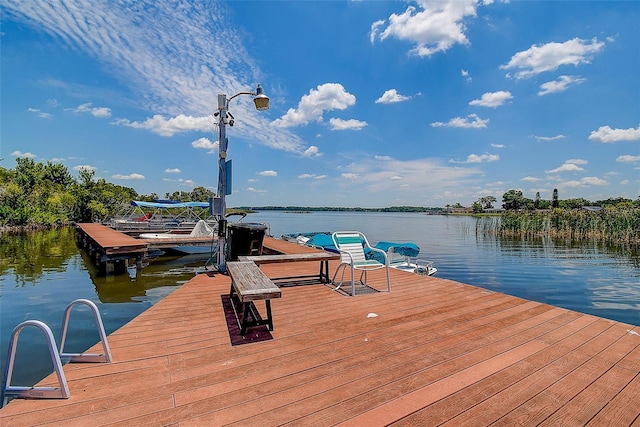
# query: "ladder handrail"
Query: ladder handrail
{"points": [[61, 392], [88, 357]]}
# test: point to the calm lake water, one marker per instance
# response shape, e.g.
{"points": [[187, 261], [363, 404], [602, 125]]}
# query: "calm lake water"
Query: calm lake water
{"points": [[41, 272]]}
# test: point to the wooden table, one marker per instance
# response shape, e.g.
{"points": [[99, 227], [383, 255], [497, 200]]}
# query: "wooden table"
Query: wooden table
{"points": [[322, 257]]}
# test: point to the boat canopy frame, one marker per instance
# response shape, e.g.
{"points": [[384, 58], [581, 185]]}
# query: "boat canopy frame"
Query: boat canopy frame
{"points": [[162, 215]]}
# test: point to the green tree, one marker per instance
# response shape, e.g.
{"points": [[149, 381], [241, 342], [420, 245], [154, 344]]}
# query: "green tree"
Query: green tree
{"points": [[487, 201], [201, 194], [573, 203], [514, 200], [57, 174]]}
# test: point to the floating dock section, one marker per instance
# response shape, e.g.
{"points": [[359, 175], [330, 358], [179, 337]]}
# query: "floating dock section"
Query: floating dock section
{"points": [[110, 250]]}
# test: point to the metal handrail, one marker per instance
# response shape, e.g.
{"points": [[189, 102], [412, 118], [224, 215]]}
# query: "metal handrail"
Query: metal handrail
{"points": [[86, 357], [61, 392]]}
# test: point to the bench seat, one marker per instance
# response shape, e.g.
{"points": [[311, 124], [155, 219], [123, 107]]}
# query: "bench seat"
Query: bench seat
{"points": [[248, 284]]}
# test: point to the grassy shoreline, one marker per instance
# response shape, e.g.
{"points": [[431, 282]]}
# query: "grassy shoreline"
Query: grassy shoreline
{"points": [[612, 226]]}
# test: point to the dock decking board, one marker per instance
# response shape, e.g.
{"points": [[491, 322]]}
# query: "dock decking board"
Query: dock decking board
{"points": [[112, 241], [437, 352]]}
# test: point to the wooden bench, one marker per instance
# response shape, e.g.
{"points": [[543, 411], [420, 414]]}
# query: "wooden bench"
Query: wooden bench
{"points": [[248, 284], [321, 256]]}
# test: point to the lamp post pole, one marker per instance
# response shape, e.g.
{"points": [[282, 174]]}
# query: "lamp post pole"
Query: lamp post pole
{"points": [[261, 102]]}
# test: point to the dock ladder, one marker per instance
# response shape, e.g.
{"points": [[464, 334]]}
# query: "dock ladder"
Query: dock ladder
{"points": [[62, 391]]}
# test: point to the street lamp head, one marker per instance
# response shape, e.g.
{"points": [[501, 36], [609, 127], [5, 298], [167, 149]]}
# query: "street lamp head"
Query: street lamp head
{"points": [[260, 99]]}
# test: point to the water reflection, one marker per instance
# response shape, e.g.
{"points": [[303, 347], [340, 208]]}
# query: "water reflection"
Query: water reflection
{"points": [[587, 276], [30, 255], [136, 284]]}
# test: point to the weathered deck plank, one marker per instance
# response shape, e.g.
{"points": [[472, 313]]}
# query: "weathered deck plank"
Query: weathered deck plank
{"points": [[437, 352]]}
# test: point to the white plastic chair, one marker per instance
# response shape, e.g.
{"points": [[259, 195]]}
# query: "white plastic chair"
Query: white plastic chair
{"points": [[352, 245]]}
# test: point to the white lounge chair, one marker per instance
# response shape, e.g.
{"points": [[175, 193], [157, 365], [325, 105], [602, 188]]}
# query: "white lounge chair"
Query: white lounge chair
{"points": [[352, 245]]}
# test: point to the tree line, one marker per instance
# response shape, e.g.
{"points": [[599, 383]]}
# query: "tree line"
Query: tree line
{"points": [[45, 194], [514, 200]]}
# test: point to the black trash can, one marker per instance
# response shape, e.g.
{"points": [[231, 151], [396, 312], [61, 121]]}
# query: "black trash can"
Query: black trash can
{"points": [[244, 238]]}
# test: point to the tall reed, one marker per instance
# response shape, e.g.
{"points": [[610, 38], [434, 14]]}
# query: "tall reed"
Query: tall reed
{"points": [[615, 226]]}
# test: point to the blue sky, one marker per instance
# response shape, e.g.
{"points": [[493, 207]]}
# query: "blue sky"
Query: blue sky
{"points": [[373, 103]]}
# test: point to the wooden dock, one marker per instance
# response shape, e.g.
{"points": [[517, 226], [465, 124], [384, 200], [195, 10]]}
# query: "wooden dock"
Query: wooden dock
{"points": [[430, 352], [110, 249]]}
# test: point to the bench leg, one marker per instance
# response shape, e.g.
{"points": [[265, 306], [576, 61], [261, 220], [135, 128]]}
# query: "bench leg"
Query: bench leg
{"points": [[324, 272], [269, 317], [245, 315], [246, 310]]}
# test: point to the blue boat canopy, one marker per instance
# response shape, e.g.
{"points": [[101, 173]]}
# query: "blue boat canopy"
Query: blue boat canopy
{"points": [[168, 205], [405, 249], [323, 240]]}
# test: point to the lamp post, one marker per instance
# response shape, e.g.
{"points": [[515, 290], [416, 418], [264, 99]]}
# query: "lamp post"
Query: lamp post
{"points": [[261, 102]]}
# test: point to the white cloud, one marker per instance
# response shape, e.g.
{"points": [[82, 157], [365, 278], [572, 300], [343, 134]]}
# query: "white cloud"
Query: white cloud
{"points": [[351, 124], [326, 97], [471, 121], [312, 151], [586, 182], [391, 96], [475, 158], [560, 84], [570, 165], [432, 26], [628, 159], [40, 113], [128, 177], [174, 60], [530, 179], [102, 112], [254, 190], [172, 170], [606, 134], [417, 177], [27, 155], [311, 176], [350, 175], [268, 173], [205, 144], [548, 57], [466, 75], [592, 180], [492, 99], [549, 138], [577, 161], [498, 145], [170, 126]]}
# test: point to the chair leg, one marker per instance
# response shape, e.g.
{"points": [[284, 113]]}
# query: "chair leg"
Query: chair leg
{"points": [[388, 280], [353, 281], [343, 267]]}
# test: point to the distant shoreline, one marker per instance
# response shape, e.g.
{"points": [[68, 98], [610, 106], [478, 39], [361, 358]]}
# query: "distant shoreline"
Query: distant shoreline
{"points": [[304, 209]]}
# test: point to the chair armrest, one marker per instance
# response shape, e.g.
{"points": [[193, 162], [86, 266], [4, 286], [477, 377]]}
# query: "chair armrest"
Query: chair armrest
{"points": [[347, 253], [384, 254]]}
